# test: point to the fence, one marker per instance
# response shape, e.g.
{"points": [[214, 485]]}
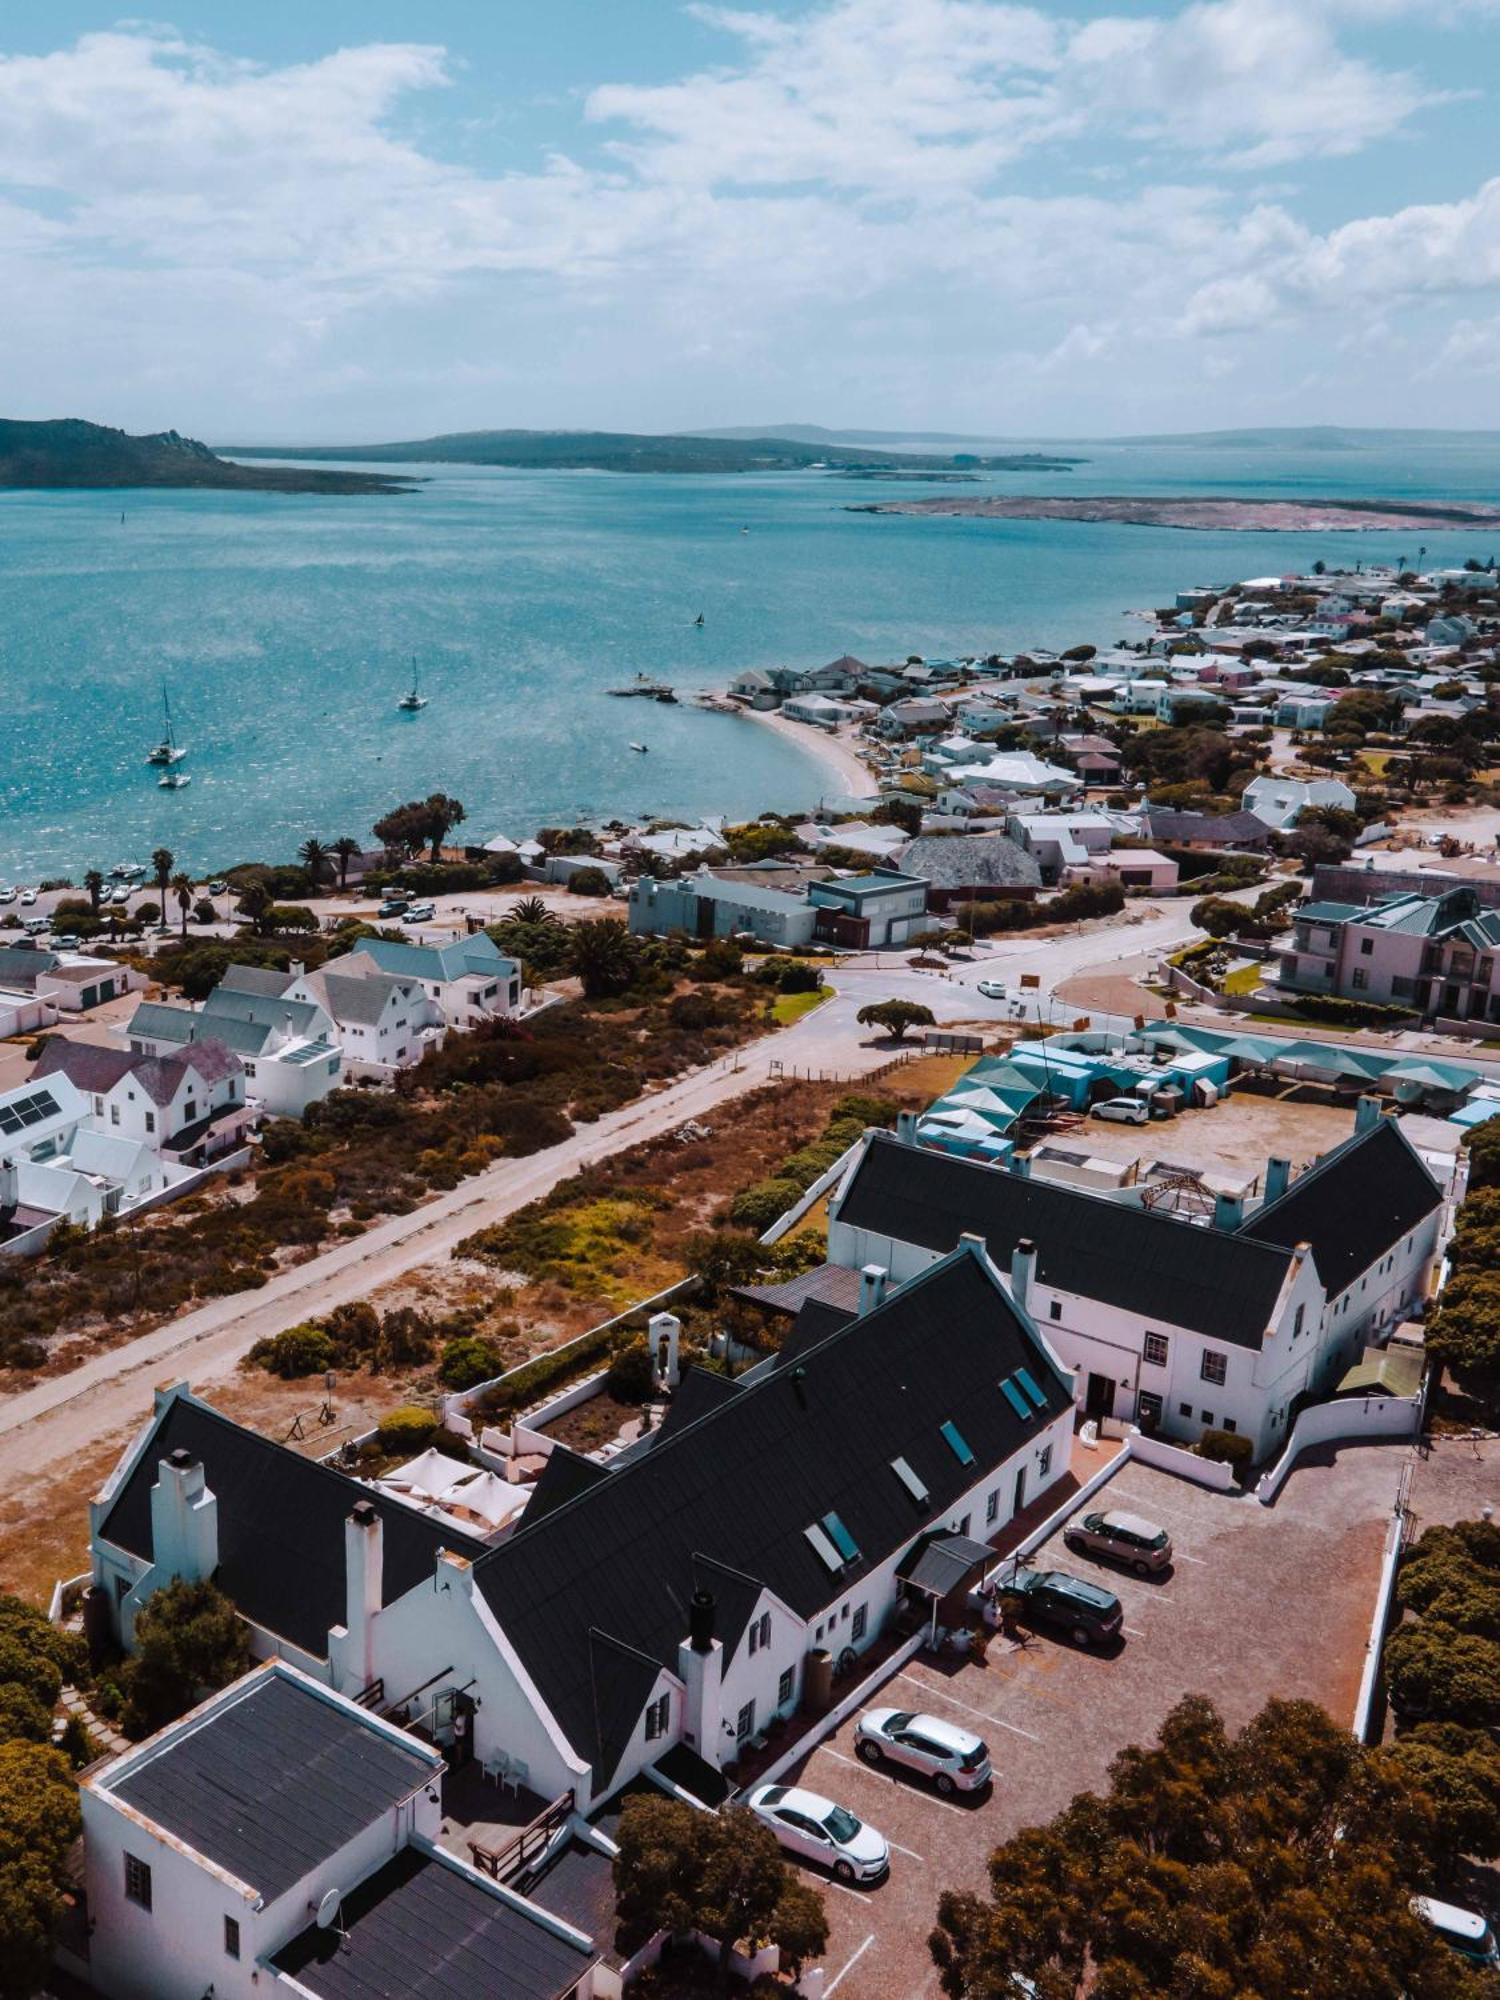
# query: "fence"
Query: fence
{"points": [[1344, 1421]]}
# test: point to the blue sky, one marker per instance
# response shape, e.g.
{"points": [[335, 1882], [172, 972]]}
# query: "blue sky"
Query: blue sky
{"points": [[361, 221]]}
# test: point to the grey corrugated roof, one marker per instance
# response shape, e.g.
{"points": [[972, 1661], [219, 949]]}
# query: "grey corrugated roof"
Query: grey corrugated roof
{"points": [[1214, 1281], [422, 1929], [262, 979], [21, 965], [291, 1017], [273, 1782], [941, 1562], [358, 999], [971, 861]]}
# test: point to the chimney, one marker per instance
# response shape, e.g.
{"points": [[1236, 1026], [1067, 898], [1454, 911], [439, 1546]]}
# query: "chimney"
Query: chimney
{"points": [[1278, 1178], [700, 1663], [1229, 1211], [364, 1586], [664, 1330], [1020, 1166], [184, 1521], [296, 968], [871, 1288], [10, 1192], [906, 1127], [1022, 1271], [1367, 1114]]}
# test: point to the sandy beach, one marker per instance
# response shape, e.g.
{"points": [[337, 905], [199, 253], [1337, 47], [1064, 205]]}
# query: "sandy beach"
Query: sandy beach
{"points": [[851, 776]]}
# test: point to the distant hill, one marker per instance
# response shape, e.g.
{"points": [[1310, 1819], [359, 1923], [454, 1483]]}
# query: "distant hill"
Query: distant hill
{"points": [[1290, 437], [69, 452], [625, 451]]}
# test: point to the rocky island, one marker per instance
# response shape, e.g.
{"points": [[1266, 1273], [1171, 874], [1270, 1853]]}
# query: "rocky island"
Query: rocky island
{"points": [[1190, 511], [70, 452]]}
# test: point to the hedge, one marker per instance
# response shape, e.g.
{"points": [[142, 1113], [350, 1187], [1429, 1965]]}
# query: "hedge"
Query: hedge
{"points": [[406, 1429], [1327, 1007]]}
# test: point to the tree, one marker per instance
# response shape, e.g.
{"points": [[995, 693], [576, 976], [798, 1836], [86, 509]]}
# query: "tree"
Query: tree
{"points": [[182, 889], [39, 1821], [896, 1016], [603, 956], [679, 1869], [344, 850], [189, 1641], [94, 883], [1463, 1335], [588, 882], [255, 905], [1279, 1863], [162, 862], [1459, 1770], [314, 857], [420, 823], [532, 910]]}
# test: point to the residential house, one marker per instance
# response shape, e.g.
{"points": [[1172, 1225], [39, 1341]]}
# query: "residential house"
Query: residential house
{"points": [[383, 1022], [914, 715], [469, 978], [870, 912], [1229, 833], [37, 986], [1280, 802], [709, 905], [188, 1106], [638, 1604], [1020, 773], [823, 711], [971, 867], [754, 688], [1434, 954], [1061, 840], [563, 867], [1178, 1326], [840, 676], [287, 1046], [280, 1839], [1132, 867]]}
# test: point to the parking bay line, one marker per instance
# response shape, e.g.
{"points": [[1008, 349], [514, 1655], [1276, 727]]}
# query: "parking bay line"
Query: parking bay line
{"points": [[985, 1713], [850, 1963], [926, 1797], [910, 1853]]}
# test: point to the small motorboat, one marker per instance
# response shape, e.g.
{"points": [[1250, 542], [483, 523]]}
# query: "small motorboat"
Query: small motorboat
{"points": [[642, 747]]}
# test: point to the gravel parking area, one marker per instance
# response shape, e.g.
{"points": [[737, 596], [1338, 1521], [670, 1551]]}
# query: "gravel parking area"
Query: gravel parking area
{"points": [[1259, 1601]]}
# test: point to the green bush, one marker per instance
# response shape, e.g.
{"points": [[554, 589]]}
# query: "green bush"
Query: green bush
{"points": [[759, 1206], [189, 1641], [1327, 1007], [409, 1428], [468, 1361], [632, 1372], [797, 977], [300, 1350], [1447, 1676], [1226, 1448]]}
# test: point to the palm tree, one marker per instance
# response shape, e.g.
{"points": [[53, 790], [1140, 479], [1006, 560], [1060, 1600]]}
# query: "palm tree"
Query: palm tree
{"points": [[162, 862], [314, 858], [604, 956], [530, 910], [94, 883], [182, 885], [345, 849]]}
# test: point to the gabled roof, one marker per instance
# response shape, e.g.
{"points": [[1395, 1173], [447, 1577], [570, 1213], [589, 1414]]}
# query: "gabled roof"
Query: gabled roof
{"points": [[20, 965], [1353, 1206], [351, 997], [97, 1069], [157, 1021], [262, 979], [1212, 1280], [740, 1487], [273, 1781], [278, 1013], [476, 957], [281, 1524]]}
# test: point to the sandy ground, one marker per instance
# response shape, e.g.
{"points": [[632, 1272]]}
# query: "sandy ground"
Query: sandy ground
{"points": [[1230, 1141], [852, 776]]}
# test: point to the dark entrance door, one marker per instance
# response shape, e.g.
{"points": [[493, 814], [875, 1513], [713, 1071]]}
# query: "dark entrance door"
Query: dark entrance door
{"points": [[1100, 1398], [1020, 1501], [1148, 1411]]}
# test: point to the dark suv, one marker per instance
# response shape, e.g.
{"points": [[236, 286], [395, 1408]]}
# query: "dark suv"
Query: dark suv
{"points": [[1090, 1616]]}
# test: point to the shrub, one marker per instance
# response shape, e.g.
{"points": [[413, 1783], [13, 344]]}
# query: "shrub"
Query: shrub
{"points": [[1449, 1676], [759, 1206], [1227, 1448], [796, 977], [468, 1361], [409, 1428], [300, 1350], [189, 1640], [588, 882], [632, 1372], [1348, 1013]]}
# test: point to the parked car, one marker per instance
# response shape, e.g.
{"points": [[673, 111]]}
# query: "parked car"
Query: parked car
{"points": [[7, 893], [218, 888], [1090, 1616], [419, 913], [1470, 1936], [1124, 1538], [955, 1759], [815, 1829], [120, 894], [992, 989], [391, 909], [28, 898], [37, 926], [1124, 1110]]}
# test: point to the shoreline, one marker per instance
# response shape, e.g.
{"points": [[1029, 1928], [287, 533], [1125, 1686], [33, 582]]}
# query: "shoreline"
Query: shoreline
{"points": [[854, 777], [1219, 512]]}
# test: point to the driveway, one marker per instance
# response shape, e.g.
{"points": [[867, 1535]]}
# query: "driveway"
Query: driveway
{"points": [[1259, 1601]]}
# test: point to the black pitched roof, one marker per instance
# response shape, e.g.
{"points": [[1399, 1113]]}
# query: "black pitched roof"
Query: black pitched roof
{"points": [[1353, 1206], [815, 1321], [281, 1524], [1215, 1281], [740, 1486], [274, 1782], [699, 1391], [424, 1929], [565, 1474]]}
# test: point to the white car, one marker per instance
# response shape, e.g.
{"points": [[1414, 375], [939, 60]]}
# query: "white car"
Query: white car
{"points": [[120, 895], [993, 989], [1124, 1110], [815, 1829], [418, 913], [1468, 1934], [7, 894], [28, 898], [955, 1759]]}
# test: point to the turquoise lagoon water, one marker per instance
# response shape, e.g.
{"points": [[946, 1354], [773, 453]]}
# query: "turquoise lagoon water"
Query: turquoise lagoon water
{"points": [[285, 628]]}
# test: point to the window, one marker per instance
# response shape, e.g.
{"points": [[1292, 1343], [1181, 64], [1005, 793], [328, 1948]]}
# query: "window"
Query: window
{"points": [[1184, 1409], [860, 1620], [760, 1632], [744, 1722], [1230, 1425], [137, 1881], [784, 1687], [823, 1549], [1155, 1350], [150, 1121], [841, 1538], [1297, 1322], [956, 1442], [1366, 946], [1016, 1400], [992, 1507], [114, 1114], [231, 1937], [1044, 1461], [1214, 1367], [1359, 979], [658, 1717], [1054, 1310], [1206, 1417], [1028, 1384]]}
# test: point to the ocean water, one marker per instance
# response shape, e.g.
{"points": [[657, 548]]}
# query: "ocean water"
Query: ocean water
{"points": [[285, 628]]}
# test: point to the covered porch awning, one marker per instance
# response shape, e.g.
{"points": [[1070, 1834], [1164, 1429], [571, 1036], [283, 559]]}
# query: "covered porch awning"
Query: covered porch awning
{"points": [[941, 1563]]}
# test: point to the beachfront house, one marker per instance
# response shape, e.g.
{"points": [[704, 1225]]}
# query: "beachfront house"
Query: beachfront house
{"points": [[708, 905], [915, 715], [1179, 1326], [189, 1106], [383, 1022], [469, 978], [288, 1048], [637, 1604]]}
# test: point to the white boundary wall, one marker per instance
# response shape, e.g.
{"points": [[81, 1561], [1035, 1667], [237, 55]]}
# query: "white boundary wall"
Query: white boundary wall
{"points": [[1344, 1421]]}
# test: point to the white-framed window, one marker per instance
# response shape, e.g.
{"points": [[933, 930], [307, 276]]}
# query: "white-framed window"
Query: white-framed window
{"points": [[744, 1722], [231, 1937], [138, 1881], [785, 1686], [760, 1632], [992, 1507], [150, 1121], [1155, 1350], [1214, 1366], [658, 1717]]}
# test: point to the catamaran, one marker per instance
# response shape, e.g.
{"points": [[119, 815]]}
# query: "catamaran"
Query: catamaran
{"points": [[411, 701], [168, 751]]}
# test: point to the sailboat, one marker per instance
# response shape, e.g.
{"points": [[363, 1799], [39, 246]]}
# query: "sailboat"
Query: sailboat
{"points": [[173, 781], [699, 619], [168, 751], [411, 701]]}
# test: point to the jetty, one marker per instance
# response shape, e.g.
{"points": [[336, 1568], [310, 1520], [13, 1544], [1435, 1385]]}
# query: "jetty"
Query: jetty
{"points": [[645, 686]]}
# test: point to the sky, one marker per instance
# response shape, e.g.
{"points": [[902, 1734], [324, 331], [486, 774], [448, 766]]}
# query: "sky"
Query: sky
{"points": [[357, 220]]}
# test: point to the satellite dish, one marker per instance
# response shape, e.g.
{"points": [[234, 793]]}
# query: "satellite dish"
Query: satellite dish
{"points": [[328, 1910]]}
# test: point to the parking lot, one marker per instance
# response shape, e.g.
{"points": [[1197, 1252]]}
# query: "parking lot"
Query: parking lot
{"points": [[1258, 1601]]}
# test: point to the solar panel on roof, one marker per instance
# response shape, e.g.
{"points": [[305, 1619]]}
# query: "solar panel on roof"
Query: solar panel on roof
{"points": [[1016, 1400], [1028, 1383]]}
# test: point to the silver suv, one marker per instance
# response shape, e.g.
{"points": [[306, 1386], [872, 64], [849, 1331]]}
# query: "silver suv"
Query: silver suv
{"points": [[955, 1759], [1124, 1538]]}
